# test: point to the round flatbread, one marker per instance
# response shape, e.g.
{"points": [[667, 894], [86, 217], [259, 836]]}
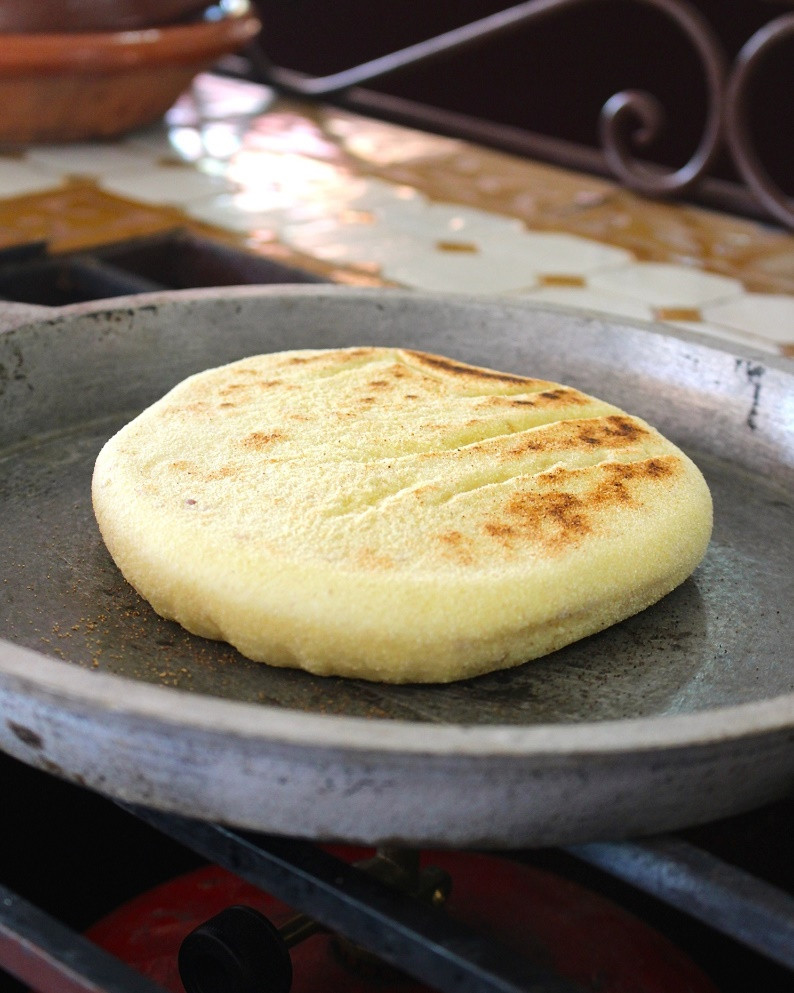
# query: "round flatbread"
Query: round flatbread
{"points": [[393, 515]]}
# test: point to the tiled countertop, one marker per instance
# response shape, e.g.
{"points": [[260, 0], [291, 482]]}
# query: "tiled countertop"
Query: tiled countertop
{"points": [[370, 203]]}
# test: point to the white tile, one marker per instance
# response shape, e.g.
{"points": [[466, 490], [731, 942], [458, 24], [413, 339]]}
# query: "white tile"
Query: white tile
{"points": [[768, 316], [248, 211], [281, 191], [90, 159], [18, 177], [169, 185], [389, 201], [294, 179], [542, 253], [451, 222], [190, 144], [459, 272], [332, 241], [584, 298], [569, 255], [234, 213], [663, 285]]}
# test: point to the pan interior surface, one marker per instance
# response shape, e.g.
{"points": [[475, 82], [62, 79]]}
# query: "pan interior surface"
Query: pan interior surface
{"points": [[722, 638], [719, 639]]}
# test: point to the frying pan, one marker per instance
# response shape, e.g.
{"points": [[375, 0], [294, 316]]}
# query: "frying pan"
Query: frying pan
{"points": [[679, 715]]}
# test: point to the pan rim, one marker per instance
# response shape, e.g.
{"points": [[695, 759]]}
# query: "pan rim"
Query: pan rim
{"points": [[33, 674], [15, 314]]}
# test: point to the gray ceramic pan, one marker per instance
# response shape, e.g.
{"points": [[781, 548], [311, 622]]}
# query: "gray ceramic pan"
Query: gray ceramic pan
{"points": [[681, 714]]}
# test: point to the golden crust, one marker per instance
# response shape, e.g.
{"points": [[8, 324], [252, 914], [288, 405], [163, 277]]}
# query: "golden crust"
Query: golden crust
{"points": [[393, 515]]}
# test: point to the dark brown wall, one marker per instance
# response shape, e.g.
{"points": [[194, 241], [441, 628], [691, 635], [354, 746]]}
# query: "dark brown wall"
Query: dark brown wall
{"points": [[550, 77]]}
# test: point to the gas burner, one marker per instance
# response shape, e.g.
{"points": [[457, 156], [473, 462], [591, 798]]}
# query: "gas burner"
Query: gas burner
{"points": [[560, 927]]}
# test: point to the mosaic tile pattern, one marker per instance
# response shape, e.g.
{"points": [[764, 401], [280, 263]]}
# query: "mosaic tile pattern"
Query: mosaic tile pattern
{"points": [[415, 210]]}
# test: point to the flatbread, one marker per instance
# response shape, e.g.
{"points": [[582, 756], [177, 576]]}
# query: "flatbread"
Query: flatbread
{"points": [[395, 516]]}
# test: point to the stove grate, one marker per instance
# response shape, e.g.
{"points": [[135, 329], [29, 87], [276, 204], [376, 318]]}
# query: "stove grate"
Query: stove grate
{"points": [[41, 951]]}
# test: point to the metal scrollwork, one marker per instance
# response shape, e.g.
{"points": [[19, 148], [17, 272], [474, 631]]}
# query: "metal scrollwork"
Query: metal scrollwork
{"points": [[737, 127], [629, 119], [629, 107]]}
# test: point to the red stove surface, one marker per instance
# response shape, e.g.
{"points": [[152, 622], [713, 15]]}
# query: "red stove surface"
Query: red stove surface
{"points": [[556, 923]]}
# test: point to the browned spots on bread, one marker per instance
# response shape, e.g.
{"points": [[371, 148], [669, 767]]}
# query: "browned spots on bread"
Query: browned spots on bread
{"points": [[562, 397], [466, 371], [531, 444], [610, 491], [656, 468], [456, 546], [553, 521], [559, 513], [224, 472], [614, 431], [623, 427], [498, 529], [233, 388], [662, 467], [618, 479], [258, 440], [340, 358]]}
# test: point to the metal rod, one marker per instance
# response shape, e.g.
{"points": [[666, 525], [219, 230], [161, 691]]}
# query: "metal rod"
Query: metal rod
{"points": [[728, 899], [51, 958], [447, 43], [416, 938]]}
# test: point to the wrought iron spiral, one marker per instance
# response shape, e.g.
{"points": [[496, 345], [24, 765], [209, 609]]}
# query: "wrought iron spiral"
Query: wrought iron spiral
{"points": [[737, 126]]}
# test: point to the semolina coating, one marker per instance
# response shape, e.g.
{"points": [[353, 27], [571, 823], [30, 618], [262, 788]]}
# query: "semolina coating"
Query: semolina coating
{"points": [[392, 515]]}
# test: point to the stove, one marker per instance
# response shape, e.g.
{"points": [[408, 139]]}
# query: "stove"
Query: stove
{"points": [[98, 896]]}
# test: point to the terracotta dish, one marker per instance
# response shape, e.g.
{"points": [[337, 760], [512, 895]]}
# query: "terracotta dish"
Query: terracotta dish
{"points": [[49, 16], [67, 87]]}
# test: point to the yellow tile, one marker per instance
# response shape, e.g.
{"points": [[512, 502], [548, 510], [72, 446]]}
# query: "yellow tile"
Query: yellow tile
{"points": [[77, 217]]}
